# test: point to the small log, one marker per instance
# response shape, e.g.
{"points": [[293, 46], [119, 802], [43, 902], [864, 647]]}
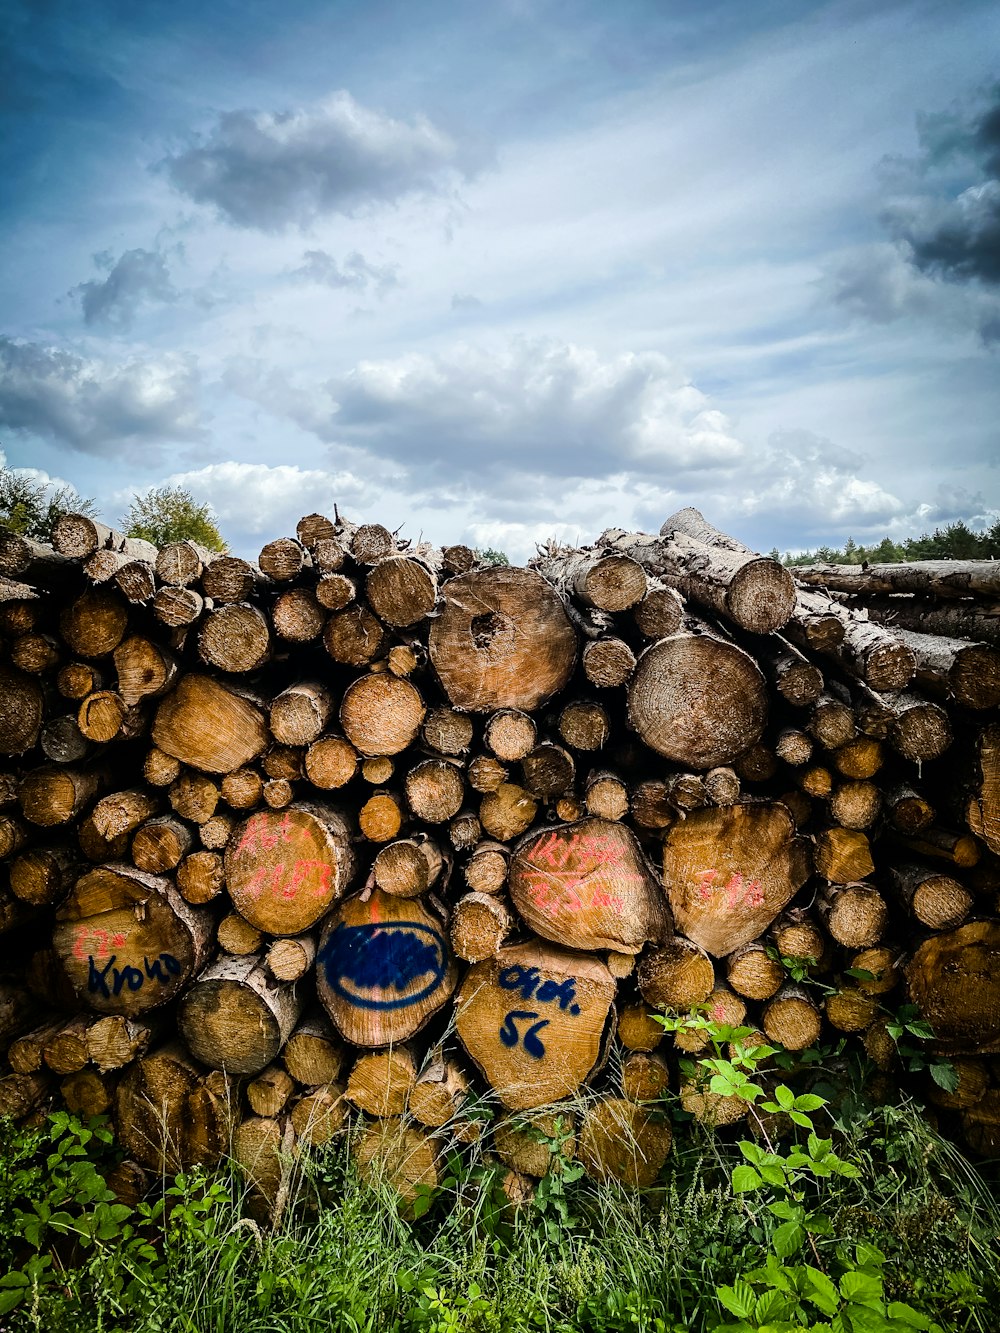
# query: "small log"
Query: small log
{"points": [[170, 1115], [435, 790], [983, 811], [269, 1092], [447, 732], [314, 1054], [381, 1081], [608, 662], [382, 816], [227, 578], [507, 812], [856, 805], [850, 1009], [300, 714], [259, 1144], [20, 1094], [510, 734], [623, 1142], [313, 529], [907, 809], [536, 1145], [160, 769], [319, 1115], [548, 771], [855, 915], [208, 726], [335, 592], [235, 638], [842, 855], [584, 725], [285, 869], [178, 607], [935, 900], [967, 619], [942, 844], [21, 712], [860, 758], [753, 972], [283, 559], [54, 796], [381, 714], [932, 578], [194, 797], [607, 796], [729, 872], [298, 616], [503, 640], [42, 875], [533, 1018], [479, 925], [291, 959], [354, 637], [638, 1029], [236, 1017], [201, 877], [87, 1093], [115, 1041], [697, 700], [608, 582], [25, 1053], [237, 937], [791, 1019], [796, 679], [127, 941], [331, 762], [407, 868], [882, 962], [588, 886], [793, 747], [650, 806], [383, 968], [401, 591], [645, 1077], [438, 1095], [677, 975], [661, 611], [35, 654], [93, 624], [407, 1160]]}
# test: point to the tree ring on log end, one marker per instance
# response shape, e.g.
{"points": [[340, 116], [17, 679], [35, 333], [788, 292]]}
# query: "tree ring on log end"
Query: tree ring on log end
{"points": [[697, 700], [503, 640]]}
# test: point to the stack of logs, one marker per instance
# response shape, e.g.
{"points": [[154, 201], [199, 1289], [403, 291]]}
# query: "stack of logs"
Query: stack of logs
{"points": [[368, 833]]}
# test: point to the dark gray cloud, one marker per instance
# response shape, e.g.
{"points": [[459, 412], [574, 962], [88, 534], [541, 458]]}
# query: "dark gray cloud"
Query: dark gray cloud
{"points": [[137, 278], [97, 407], [955, 236], [355, 274], [274, 170]]}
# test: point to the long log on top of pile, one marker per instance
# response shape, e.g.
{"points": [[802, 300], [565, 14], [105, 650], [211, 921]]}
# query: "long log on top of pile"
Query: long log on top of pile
{"points": [[362, 829]]}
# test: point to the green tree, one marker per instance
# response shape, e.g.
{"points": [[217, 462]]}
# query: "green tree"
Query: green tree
{"points": [[171, 514], [488, 556], [30, 507]]}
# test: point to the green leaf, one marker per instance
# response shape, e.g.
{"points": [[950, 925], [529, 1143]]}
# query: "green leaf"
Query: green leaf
{"points": [[784, 1097], [738, 1299], [751, 1151], [772, 1306], [860, 974], [861, 1289], [800, 1119], [905, 1314], [743, 1180], [808, 1101], [788, 1238], [822, 1292], [945, 1075]]}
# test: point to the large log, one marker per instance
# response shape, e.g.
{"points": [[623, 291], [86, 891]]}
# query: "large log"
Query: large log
{"points": [[503, 640], [977, 621], [588, 886], [955, 980], [384, 968], [209, 726], [697, 699], [236, 1017], [533, 1019], [170, 1115], [624, 1142], [285, 869], [607, 582], [931, 578], [127, 941], [729, 872]]}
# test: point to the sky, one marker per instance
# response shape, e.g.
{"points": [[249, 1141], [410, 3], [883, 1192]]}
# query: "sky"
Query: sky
{"points": [[499, 273]]}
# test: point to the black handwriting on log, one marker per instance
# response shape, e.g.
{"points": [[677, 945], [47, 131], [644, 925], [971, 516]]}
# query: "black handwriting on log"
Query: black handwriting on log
{"points": [[134, 978], [510, 1035], [526, 979]]}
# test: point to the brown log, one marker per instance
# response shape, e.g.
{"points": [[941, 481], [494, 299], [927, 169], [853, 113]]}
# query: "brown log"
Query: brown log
{"points": [[24, 1054], [381, 714], [269, 1092], [13, 835], [93, 625], [855, 915], [907, 809], [235, 638], [79, 536], [850, 1009], [215, 833], [882, 962], [21, 712], [607, 796], [791, 1019], [382, 816], [729, 872], [548, 771], [950, 668], [42, 875], [354, 636], [608, 582], [942, 844], [860, 758], [533, 1018], [485, 774], [300, 714], [507, 812], [78, 679], [283, 559], [697, 700], [18, 1012], [973, 1081], [856, 805], [584, 725], [383, 968], [298, 616], [447, 732], [435, 790], [208, 726], [624, 1142], [314, 529], [35, 654], [237, 937], [588, 886], [261, 1149], [178, 607], [407, 868], [676, 975], [538, 1144], [227, 578], [181, 563], [638, 1029], [798, 936], [101, 716], [645, 1076], [21, 1093], [406, 1159], [650, 806], [285, 869], [932, 578], [127, 941], [335, 592], [723, 1006], [200, 877], [319, 1115], [793, 747], [608, 662], [510, 734], [479, 925], [194, 797], [65, 1050], [661, 611], [968, 619], [815, 780], [381, 1081], [36, 563], [160, 769], [53, 796], [235, 1016], [935, 900], [954, 978], [842, 855], [711, 1109], [170, 1115], [486, 869], [401, 591], [503, 640], [753, 972], [313, 1054], [331, 762], [983, 811], [291, 959], [796, 679], [62, 742], [437, 1097], [115, 1041]]}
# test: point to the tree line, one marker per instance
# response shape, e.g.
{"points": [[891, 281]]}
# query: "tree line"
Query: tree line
{"points": [[957, 541]]}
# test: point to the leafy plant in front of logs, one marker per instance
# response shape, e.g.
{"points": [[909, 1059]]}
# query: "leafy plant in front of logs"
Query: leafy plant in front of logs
{"points": [[844, 1293]]}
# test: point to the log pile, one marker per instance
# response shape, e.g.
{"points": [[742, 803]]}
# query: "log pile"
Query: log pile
{"points": [[366, 832]]}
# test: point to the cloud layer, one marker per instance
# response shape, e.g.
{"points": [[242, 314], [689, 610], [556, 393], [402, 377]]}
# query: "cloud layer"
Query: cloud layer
{"points": [[273, 170], [137, 278]]}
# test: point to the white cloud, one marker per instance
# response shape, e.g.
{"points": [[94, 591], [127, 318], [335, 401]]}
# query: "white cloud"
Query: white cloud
{"points": [[271, 170], [137, 278], [94, 405]]}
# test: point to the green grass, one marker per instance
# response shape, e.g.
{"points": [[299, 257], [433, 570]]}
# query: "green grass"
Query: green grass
{"points": [[580, 1256]]}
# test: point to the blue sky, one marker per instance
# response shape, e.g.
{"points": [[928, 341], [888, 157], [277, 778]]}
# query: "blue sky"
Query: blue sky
{"points": [[497, 273]]}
